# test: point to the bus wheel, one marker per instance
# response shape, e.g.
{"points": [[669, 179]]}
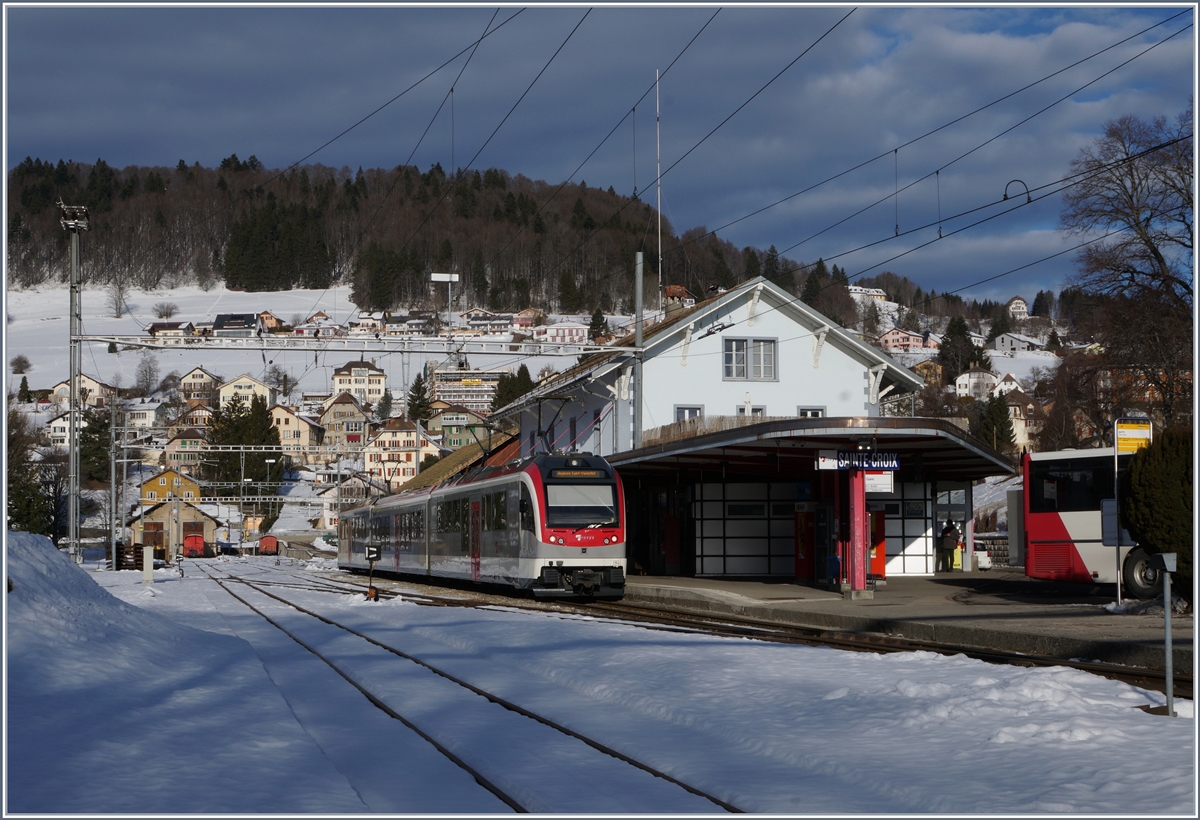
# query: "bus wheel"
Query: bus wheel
{"points": [[1142, 581]]}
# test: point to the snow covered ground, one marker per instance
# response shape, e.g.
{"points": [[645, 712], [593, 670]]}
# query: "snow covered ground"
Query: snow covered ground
{"points": [[172, 697]]}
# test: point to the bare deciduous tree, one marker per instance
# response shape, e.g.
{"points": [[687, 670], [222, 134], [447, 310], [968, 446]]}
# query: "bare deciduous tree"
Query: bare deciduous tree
{"points": [[20, 364], [1136, 184], [165, 310], [146, 376]]}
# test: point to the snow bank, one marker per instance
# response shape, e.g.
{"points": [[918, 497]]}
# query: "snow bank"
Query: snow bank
{"points": [[113, 709]]}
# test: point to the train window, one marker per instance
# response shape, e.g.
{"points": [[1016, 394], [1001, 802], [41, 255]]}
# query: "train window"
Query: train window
{"points": [[494, 512], [526, 509], [581, 505]]}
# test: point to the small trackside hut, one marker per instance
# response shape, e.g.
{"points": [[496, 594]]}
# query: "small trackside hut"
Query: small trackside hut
{"points": [[552, 525]]}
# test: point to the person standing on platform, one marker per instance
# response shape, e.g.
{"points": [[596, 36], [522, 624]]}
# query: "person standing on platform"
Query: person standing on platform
{"points": [[946, 547]]}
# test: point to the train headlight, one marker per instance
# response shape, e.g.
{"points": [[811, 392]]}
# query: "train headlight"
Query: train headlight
{"points": [[560, 540]]}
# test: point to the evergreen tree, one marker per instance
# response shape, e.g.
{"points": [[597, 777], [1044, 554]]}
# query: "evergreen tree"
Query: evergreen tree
{"points": [[994, 427], [1043, 304], [1001, 324], [28, 509], [94, 446], [908, 319], [1054, 344], [239, 424], [570, 299], [869, 320], [509, 388], [598, 326], [775, 272], [957, 351], [753, 268], [814, 284], [384, 408], [419, 403], [23, 394], [1157, 499]]}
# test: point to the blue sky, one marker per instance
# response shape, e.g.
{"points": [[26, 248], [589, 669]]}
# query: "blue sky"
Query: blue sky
{"points": [[153, 85]]}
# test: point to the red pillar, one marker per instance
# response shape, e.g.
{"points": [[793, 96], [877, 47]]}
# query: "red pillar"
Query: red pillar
{"points": [[858, 546]]}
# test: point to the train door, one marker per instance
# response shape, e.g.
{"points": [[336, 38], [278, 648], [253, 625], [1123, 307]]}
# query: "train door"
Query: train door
{"points": [[877, 562], [475, 537]]}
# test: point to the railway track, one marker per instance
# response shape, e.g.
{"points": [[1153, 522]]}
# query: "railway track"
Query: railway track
{"points": [[515, 798], [740, 627]]}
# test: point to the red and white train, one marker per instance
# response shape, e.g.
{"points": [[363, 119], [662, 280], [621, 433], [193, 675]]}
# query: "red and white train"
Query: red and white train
{"points": [[553, 525]]}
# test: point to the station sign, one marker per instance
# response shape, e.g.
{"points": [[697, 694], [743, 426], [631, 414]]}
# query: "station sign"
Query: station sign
{"points": [[1133, 434], [873, 460]]}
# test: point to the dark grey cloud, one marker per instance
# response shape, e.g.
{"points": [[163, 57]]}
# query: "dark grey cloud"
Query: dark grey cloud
{"points": [[150, 86]]}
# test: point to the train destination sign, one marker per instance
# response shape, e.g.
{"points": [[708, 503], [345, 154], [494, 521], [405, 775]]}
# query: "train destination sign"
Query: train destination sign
{"points": [[867, 460]]}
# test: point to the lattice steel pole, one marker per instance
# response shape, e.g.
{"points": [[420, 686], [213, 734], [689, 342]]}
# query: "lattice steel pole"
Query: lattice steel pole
{"points": [[73, 218]]}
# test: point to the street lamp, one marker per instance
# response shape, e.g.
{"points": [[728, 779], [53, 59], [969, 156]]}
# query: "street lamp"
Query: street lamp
{"points": [[242, 508], [449, 279], [269, 462]]}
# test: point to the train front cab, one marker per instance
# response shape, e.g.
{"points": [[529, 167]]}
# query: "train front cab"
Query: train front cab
{"points": [[573, 521]]}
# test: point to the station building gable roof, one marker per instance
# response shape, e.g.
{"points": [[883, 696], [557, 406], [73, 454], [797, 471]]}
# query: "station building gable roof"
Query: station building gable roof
{"points": [[756, 297]]}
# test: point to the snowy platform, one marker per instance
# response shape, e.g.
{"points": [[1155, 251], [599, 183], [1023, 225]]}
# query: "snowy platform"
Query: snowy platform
{"points": [[998, 609]]}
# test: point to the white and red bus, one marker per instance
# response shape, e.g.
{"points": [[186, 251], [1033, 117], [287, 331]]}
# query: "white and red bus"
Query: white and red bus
{"points": [[1062, 494]]}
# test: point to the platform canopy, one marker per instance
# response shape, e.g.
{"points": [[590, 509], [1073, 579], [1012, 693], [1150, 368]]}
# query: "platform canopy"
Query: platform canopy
{"points": [[927, 449]]}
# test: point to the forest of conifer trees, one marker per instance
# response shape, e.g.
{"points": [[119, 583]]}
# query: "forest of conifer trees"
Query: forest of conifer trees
{"points": [[514, 242]]}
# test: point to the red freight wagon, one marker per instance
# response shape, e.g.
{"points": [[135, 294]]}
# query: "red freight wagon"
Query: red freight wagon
{"points": [[193, 546], [268, 545]]}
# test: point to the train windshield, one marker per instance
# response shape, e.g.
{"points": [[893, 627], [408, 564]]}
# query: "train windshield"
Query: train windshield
{"points": [[581, 505]]}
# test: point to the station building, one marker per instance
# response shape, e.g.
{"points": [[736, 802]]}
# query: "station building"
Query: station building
{"points": [[763, 451]]}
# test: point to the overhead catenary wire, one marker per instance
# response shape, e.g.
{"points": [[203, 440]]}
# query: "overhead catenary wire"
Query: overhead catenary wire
{"points": [[946, 125], [703, 139], [602, 142]]}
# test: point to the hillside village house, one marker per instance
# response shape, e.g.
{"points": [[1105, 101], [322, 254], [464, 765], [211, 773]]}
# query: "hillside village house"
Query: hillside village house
{"points": [[361, 379], [1006, 385], [91, 392], [199, 384], [899, 339], [270, 322], [453, 424], [1026, 417], [246, 388], [197, 415], [976, 383], [528, 318], [237, 324], [297, 433], [345, 422], [168, 484], [761, 422], [146, 414], [171, 332], [464, 386], [185, 451], [1013, 343], [562, 333], [59, 429], [877, 294], [394, 453], [323, 328], [1017, 308]]}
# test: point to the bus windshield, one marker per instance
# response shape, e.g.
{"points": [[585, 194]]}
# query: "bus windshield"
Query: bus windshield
{"points": [[581, 505]]}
